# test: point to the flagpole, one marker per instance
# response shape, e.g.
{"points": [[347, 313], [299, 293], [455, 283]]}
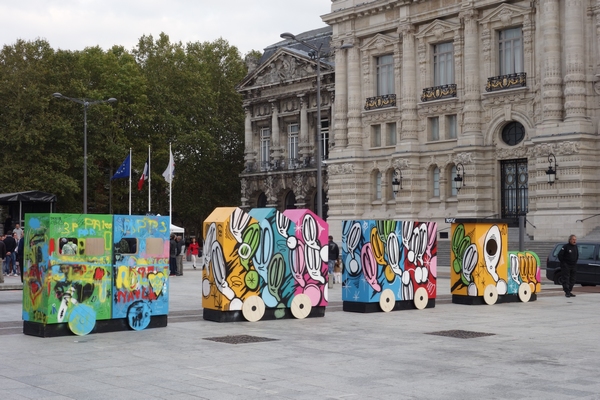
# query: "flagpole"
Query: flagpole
{"points": [[130, 181], [170, 184], [149, 182]]}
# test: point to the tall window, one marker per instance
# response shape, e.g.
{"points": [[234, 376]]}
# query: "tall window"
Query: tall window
{"points": [[378, 186], [436, 182], [452, 176], [434, 128], [510, 49], [325, 138], [451, 126], [293, 142], [376, 136], [385, 75], [391, 134], [265, 146], [443, 64]]}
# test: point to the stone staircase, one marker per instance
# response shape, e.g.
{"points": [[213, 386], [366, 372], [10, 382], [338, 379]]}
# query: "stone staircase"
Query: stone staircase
{"points": [[593, 236]]}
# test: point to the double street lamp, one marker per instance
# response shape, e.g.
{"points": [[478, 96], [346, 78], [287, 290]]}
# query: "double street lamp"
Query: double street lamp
{"points": [[86, 103]]}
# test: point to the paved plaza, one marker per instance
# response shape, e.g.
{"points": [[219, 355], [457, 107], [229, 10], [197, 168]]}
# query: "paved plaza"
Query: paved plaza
{"points": [[547, 349]]}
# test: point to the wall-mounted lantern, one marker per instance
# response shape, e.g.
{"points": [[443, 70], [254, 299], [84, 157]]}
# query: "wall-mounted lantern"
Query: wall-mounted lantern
{"points": [[397, 181], [458, 179], [551, 172]]}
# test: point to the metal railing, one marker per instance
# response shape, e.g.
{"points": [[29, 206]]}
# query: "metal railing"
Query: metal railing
{"points": [[439, 92], [506, 81], [387, 100]]}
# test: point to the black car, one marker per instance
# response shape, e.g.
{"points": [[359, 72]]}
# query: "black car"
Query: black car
{"points": [[588, 265]]}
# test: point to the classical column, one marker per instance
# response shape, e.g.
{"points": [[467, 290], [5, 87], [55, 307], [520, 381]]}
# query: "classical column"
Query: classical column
{"points": [[248, 145], [409, 89], [472, 110], [275, 134], [551, 73], [340, 134], [354, 99], [304, 145], [575, 106]]}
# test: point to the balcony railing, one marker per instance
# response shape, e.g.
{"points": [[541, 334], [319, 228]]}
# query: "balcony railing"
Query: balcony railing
{"points": [[506, 82], [279, 165], [439, 92], [387, 100]]}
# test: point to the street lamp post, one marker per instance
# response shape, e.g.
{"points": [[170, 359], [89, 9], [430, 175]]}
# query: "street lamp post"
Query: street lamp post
{"points": [[317, 57], [86, 104]]}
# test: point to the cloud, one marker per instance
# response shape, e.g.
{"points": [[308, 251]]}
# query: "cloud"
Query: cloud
{"points": [[76, 24]]}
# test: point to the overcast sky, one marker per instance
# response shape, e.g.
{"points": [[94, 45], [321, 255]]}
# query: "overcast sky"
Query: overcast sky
{"points": [[76, 24]]}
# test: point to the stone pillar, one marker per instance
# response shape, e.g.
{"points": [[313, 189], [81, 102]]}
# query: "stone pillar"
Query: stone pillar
{"points": [[304, 145], [409, 91], [249, 152], [551, 73], [354, 99], [275, 134], [340, 134], [472, 107], [575, 105]]}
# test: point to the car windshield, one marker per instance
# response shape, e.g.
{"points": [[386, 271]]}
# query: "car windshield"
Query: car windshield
{"points": [[586, 251]]}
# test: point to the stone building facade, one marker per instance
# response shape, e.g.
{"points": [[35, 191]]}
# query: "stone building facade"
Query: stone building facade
{"points": [[493, 92], [282, 124]]}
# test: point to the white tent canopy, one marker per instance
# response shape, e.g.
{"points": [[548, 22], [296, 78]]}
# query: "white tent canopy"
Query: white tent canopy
{"points": [[176, 229]]}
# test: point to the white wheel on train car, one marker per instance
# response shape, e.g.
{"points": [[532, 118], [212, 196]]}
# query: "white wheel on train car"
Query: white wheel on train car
{"points": [[490, 295], [387, 300], [524, 292], [253, 308], [421, 298], [301, 306]]}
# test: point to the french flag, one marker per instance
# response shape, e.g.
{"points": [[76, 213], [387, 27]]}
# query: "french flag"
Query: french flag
{"points": [[144, 176]]}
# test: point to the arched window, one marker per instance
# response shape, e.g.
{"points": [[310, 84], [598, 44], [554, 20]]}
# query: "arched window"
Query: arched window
{"points": [[290, 201], [436, 182], [262, 201]]}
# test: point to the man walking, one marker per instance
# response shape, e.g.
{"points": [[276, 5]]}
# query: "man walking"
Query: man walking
{"points": [[334, 254], [568, 256], [180, 251]]}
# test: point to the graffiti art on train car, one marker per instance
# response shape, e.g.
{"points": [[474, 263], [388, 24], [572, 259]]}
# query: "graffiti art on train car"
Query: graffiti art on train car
{"points": [[68, 274], [482, 266], [256, 263], [389, 260], [141, 268]]}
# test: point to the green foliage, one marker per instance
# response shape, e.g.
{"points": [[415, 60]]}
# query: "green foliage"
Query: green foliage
{"points": [[167, 93]]}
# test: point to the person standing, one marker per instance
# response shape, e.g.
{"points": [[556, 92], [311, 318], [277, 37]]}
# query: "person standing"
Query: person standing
{"points": [[18, 231], [172, 256], [20, 253], [2, 256], [10, 261], [193, 251], [180, 251], [568, 256], [334, 254]]}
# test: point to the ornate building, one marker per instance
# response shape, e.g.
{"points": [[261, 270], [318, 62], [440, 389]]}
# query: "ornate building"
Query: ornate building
{"points": [[280, 100], [489, 94]]}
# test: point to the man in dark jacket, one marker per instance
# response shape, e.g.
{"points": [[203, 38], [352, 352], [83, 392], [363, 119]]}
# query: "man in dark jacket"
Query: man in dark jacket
{"points": [[333, 255], [2, 256], [10, 260], [568, 256], [173, 255]]}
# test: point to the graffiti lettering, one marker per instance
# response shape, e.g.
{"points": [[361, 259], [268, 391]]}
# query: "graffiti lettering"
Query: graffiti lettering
{"points": [[124, 296]]}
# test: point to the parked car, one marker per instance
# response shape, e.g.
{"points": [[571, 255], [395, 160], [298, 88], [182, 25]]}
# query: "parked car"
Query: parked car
{"points": [[588, 265]]}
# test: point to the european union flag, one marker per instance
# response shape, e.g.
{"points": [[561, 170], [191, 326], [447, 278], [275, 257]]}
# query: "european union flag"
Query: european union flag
{"points": [[123, 171]]}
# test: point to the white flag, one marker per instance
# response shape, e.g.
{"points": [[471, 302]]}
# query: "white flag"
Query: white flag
{"points": [[170, 171]]}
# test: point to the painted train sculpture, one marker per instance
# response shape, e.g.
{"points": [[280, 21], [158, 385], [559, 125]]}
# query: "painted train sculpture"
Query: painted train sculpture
{"points": [[101, 273], [94, 273]]}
